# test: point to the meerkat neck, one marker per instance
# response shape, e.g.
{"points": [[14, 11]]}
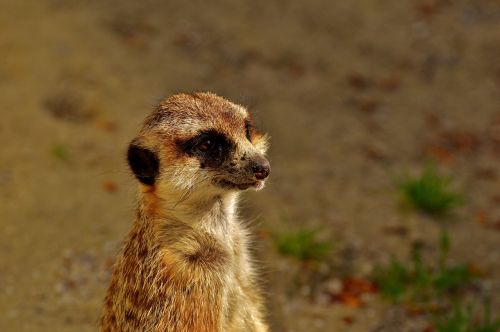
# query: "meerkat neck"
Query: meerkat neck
{"points": [[208, 213], [220, 218]]}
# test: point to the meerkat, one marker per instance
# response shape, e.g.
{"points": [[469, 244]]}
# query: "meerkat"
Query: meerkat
{"points": [[185, 265]]}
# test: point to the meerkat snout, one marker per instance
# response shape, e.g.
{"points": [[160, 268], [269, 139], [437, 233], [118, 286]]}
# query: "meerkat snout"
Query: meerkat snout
{"points": [[250, 172], [260, 168]]}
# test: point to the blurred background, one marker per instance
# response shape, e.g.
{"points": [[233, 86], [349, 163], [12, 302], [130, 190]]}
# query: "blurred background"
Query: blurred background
{"points": [[382, 211]]}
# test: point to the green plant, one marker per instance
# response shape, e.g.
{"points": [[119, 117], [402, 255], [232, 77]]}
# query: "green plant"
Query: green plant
{"points": [[449, 278], [430, 192], [418, 281], [60, 152], [302, 245], [444, 248], [393, 280], [461, 320], [457, 321]]}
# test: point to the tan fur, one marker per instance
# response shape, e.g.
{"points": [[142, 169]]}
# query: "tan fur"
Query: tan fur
{"points": [[185, 265]]}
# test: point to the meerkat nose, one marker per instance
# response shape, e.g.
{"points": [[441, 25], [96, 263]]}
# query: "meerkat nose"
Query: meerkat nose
{"points": [[261, 168]]}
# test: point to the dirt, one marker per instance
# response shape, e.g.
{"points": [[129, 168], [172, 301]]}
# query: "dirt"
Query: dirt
{"points": [[354, 94]]}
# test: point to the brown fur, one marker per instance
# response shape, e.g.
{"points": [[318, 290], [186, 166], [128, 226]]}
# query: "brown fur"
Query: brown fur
{"points": [[185, 264]]}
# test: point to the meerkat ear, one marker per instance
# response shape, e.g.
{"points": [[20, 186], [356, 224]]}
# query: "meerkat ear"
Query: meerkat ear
{"points": [[143, 162]]}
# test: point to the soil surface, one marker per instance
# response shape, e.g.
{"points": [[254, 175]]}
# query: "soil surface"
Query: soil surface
{"points": [[353, 93]]}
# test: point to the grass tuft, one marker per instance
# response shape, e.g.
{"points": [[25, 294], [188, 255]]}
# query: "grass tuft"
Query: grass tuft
{"points": [[462, 320], [430, 192], [393, 280], [457, 321], [302, 245], [417, 281]]}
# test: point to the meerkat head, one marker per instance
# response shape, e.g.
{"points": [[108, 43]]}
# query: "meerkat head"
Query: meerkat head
{"points": [[199, 143]]}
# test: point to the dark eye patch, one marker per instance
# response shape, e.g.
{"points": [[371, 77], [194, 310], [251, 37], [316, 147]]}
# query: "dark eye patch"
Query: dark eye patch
{"points": [[210, 147]]}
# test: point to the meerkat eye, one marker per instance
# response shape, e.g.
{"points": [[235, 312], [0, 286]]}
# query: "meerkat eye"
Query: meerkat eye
{"points": [[206, 145]]}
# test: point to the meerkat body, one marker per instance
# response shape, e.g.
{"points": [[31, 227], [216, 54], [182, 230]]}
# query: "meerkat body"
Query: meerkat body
{"points": [[185, 265]]}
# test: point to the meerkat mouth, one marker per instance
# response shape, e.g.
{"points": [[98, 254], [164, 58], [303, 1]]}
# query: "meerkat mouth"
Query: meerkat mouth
{"points": [[240, 185]]}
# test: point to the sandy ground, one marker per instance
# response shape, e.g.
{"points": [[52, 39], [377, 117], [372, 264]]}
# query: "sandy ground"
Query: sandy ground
{"points": [[353, 93]]}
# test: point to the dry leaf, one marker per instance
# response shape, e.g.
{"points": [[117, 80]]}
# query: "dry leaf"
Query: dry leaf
{"points": [[352, 290], [110, 186], [105, 125], [395, 230], [390, 83], [348, 320], [369, 105], [439, 153], [481, 218], [358, 81]]}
